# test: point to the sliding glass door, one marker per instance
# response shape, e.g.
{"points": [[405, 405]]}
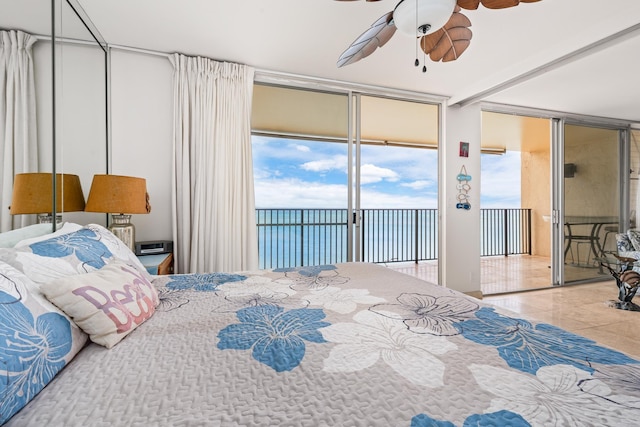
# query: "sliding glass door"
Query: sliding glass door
{"points": [[343, 177], [396, 191], [591, 200], [301, 175]]}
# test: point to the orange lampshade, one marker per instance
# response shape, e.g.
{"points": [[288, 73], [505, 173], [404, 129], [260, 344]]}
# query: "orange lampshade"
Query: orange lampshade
{"points": [[33, 193], [118, 194]]}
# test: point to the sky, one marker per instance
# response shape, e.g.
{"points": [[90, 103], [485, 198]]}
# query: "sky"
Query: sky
{"points": [[308, 174]]}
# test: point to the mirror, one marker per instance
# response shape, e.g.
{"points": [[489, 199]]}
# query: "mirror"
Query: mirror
{"points": [[71, 86], [81, 131]]}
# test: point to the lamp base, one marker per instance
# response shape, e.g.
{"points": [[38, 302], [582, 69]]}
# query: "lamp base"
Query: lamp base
{"points": [[124, 230]]}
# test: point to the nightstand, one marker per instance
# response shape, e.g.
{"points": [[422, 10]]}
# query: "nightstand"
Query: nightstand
{"points": [[157, 264]]}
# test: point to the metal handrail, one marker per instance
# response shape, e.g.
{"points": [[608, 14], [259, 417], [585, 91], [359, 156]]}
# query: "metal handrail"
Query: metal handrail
{"points": [[298, 237]]}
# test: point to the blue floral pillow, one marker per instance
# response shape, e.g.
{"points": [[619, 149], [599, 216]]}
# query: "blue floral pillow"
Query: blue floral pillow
{"points": [[36, 341], [623, 243], [634, 236], [87, 249]]}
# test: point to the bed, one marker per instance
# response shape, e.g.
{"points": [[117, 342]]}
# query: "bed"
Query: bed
{"points": [[349, 344]]}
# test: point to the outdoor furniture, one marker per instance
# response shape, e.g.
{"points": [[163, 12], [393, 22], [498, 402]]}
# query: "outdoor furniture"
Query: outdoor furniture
{"points": [[592, 239]]}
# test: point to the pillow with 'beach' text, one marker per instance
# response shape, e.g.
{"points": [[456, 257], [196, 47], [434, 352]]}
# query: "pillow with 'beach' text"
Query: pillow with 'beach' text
{"points": [[108, 303]]}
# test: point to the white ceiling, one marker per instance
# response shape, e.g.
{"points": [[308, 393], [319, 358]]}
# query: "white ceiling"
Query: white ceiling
{"points": [[561, 55]]}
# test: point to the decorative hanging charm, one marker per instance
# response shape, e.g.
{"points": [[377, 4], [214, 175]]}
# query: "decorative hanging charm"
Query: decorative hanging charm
{"points": [[463, 189]]}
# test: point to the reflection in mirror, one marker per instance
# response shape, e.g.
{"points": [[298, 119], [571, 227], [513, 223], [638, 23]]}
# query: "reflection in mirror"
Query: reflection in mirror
{"points": [[32, 194], [18, 131], [69, 61], [80, 102]]}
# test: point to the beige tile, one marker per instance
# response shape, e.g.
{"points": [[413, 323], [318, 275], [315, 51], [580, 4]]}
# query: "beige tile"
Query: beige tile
{"points": [[612, 340], [629, 328], [520, 306], [558, 320]]}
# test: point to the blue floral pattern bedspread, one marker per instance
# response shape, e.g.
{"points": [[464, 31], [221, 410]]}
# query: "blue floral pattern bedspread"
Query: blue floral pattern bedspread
{"points": [[344, 345]]}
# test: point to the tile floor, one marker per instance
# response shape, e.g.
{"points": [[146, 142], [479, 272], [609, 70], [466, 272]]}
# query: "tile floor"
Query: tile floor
{"points": [[581, 309]]}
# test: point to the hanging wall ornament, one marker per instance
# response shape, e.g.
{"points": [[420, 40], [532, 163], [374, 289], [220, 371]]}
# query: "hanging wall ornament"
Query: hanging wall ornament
{"points": [[463, 189]]}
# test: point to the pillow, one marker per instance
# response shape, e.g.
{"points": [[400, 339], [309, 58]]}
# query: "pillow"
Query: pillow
{"points": [[82, 251], [10, 238], [623, 243], [634, 236], [64, 228], [108, 303], [36, 341]]}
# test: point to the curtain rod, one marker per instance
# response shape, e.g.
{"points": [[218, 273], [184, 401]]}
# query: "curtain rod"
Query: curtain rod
{"points": [[139, 50], [93, 43], [269, 76], [65, 40]]}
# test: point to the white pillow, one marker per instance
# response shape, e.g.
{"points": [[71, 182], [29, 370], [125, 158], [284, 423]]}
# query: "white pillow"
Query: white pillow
{"points": [[65, 228], [108, 303], [11, 238], [87, 249]]}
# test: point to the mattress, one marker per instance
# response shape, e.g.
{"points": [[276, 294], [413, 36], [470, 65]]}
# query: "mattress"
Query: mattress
{"points": [[338, 345]]}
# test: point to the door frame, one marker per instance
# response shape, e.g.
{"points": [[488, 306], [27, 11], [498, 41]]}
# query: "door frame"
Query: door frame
{"points": [[558, 125]]}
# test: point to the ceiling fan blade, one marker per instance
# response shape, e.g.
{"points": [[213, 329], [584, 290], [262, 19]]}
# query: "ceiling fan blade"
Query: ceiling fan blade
{"points": [[450, 41], [469, 4], [492, 4], [499, 4], [375, 37]]}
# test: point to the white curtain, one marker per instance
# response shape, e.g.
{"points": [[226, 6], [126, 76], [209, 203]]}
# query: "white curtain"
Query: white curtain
{"points": [[214, 226], [18, 132]]}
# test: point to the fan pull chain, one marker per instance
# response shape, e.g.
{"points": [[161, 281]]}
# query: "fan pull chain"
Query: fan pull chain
{"points": [[424, 61]]}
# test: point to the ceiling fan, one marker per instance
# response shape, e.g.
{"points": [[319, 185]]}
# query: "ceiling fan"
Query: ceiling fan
{"points": [[441, 30]]}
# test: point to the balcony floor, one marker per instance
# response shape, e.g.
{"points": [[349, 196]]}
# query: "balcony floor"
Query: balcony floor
{"points": [[500, 274], [581, 309]]}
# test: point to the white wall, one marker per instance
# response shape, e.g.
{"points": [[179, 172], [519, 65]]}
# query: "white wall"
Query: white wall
{"points": [[459, 260], [80, 115], [141, 133]]}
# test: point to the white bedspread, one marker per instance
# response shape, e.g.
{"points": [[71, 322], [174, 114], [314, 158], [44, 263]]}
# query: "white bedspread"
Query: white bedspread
{"points": [[344, 345]]}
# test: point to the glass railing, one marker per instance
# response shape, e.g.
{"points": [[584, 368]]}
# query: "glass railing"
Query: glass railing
{"points": [[298, 237]]}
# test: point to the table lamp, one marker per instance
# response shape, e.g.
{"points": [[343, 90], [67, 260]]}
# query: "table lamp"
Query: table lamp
{"points": [[120, 196], [33, 194]]}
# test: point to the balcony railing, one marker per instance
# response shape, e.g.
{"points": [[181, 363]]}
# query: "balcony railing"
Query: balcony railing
{"points": [[297, 237]]}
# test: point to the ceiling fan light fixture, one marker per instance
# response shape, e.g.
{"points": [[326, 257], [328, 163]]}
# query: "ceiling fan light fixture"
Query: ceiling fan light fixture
{"points": [[430, 16]]}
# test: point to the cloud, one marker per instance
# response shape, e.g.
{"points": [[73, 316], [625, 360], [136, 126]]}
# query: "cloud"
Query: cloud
{"points": [[264, 173], [380, 200], [325, 165], [370, 174], [302, 148], [415, 164], [500, 183], [419, 185], [296, 193]]}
